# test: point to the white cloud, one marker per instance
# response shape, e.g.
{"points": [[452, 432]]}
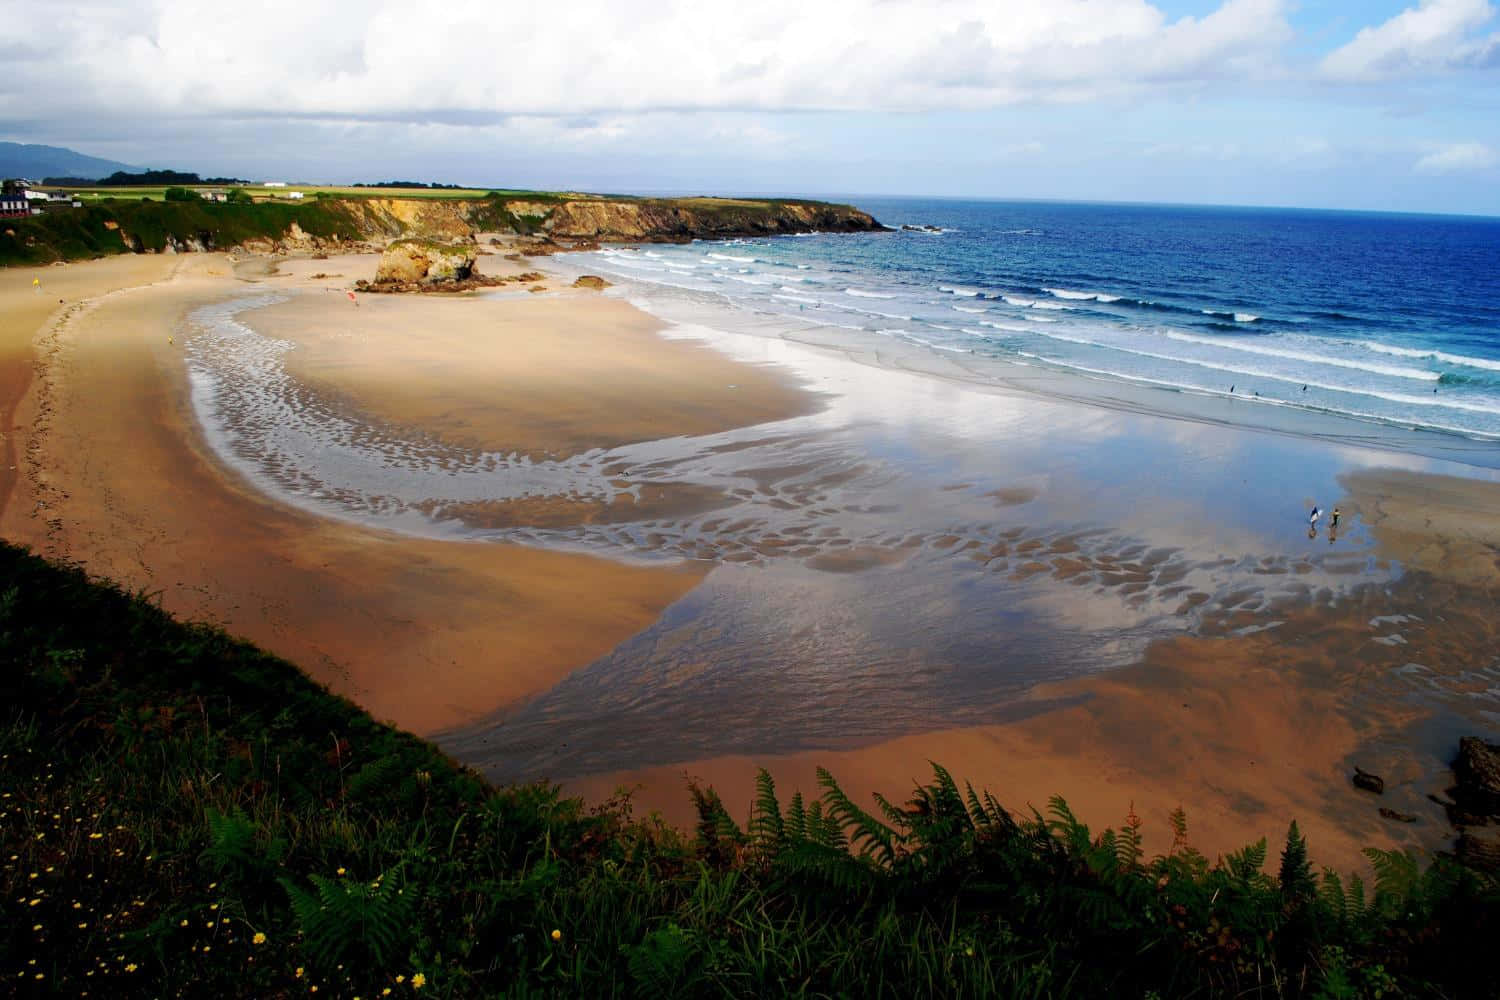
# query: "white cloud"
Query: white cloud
{"points": [[474, 58], [1458, 157], [1435, 36]]}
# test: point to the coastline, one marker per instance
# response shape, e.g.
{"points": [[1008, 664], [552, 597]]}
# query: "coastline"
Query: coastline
{"points": [[148, 503]]}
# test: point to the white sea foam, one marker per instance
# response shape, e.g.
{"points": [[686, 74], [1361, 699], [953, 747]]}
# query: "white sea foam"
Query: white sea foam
{"points": [[729, 256], [1452, 359], [1392, 397], [1040, 319], [1236, 316], [1054, 306], [797, 299], [1011, 327], [967, 309], [954, 290], [1107, 298], [860, 293], [1316, 359], [1068, 293], [1023, 303]]}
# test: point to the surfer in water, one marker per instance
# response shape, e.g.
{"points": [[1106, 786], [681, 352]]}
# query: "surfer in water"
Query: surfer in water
{"points": [[1312, 521]]}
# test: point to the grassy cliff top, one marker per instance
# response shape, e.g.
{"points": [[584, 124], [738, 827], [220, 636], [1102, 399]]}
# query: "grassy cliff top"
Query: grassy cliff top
{"points": [[183, 814]]}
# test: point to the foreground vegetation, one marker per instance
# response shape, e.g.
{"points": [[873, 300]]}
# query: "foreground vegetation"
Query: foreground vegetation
{"points": [[183, 814]]}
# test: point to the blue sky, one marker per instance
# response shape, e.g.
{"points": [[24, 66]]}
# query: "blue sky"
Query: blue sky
{"points": [[1379, 104]]}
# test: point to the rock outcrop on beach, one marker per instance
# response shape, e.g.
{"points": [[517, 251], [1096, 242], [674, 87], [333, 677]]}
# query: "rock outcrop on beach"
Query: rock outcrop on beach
{"points": [[593, 281], [425, 266], [422, 260]]}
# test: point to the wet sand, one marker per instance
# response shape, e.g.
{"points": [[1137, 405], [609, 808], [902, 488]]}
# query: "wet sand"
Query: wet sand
{"points": [[1264, 664], [1244, 732]]}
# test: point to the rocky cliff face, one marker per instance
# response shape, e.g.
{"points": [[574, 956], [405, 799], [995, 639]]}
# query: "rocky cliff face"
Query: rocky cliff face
{"points": [[429, 218], [700, 218]]}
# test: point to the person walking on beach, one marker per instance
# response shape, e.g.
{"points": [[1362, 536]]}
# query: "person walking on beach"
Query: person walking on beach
{"points": [[1333, 520]]}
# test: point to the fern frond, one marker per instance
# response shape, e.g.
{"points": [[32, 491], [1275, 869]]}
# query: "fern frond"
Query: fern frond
{"points": [[1331, 894], [767, 829], [872, 838], [796, 819]]}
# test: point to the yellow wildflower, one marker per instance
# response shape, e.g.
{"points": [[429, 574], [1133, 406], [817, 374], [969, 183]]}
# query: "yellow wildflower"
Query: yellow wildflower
{"points": [[556, 935], [131, 967], [418, 981], [341, 871], [260, 937], [299, 972]]}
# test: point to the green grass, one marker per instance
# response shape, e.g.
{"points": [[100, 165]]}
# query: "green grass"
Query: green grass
{"points": [[183, 814], [95, 229]]}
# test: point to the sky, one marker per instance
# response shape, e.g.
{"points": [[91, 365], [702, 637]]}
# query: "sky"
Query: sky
{"points": [[1361, 104]]}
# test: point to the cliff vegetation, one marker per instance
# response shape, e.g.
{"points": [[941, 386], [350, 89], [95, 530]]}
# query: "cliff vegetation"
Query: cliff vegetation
{"points": [[181, 221]]}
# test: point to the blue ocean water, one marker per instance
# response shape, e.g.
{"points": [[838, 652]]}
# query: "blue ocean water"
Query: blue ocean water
{"points": [[1380, 317]]}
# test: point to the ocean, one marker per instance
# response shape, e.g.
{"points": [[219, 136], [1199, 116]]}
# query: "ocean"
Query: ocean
{"points": [[1384, 318]]}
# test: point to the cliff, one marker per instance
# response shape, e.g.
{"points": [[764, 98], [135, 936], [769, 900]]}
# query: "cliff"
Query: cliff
{"points": [[142, 226], [682, 219]]}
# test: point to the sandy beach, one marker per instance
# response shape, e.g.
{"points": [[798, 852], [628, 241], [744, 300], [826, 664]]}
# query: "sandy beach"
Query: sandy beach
{"points": [[709, 521], [115, 477]]}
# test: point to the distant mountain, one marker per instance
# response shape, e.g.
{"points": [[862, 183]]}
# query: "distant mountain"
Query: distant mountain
{"points": [[35, 162]]}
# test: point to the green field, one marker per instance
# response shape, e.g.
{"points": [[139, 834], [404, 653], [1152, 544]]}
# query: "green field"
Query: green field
{"points": [[275, 194]]}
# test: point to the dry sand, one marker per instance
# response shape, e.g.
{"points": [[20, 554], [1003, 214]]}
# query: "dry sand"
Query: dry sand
{"points": [[540, 375], [426, 634]]}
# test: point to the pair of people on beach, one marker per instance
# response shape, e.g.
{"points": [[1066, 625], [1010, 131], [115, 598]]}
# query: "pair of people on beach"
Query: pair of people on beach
{"points": [[1333, 522]]}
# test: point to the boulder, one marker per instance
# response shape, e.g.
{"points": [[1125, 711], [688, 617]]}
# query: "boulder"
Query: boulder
{"points": [[593, 281], [424, 261], [1478, 772], [1478, 851], [1369, 782]]}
